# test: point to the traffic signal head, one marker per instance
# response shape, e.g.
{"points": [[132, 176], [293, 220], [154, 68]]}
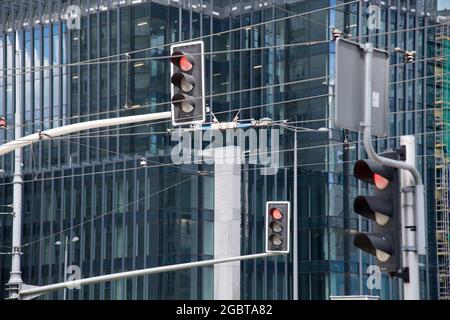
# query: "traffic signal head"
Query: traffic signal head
{"points": [[187, 83], [277, 226], [384, 208]]}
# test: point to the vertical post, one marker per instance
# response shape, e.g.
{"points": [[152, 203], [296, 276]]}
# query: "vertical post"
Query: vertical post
{"points": [[66, 245], [346, 201], [368, 60], [15, 280], [227, 222], [411, 287], [295, 223], [360, 257]]}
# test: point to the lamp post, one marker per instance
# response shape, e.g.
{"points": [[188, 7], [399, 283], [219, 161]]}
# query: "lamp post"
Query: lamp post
{"points": [[295, 218], [295, 130], [66, 245]]}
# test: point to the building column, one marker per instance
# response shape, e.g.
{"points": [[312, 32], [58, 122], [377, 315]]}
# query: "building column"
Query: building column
{"points": [[227, 222]]}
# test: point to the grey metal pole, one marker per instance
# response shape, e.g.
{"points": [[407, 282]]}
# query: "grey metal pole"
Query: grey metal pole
{"points": [[419, 208], [295, 222], [78, 127], [66, 245], [36, 291], [411, 288], [15, 280]]}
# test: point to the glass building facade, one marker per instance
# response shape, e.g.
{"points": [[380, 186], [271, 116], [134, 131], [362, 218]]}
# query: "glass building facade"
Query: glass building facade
{"points": [[259, 61]]}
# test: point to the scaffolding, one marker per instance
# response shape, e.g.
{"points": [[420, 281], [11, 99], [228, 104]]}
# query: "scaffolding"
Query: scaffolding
{"points": [[442, 140]]}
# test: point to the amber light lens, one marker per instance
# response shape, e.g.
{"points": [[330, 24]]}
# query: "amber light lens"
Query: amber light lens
{"points": [[276, 226]]}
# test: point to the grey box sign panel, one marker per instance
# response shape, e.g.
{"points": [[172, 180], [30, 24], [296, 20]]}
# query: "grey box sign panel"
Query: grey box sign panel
{"points": [[350, 88]]}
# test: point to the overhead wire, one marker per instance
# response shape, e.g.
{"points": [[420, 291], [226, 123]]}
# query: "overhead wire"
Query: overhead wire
{"points": [[377, 34], [201, 162], [108, 213], [177, 184], [216, 34], [159, 104], [253, 89], [141, 107]]}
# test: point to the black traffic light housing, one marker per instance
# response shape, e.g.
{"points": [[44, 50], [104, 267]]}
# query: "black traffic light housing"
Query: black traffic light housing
{"points": [[277, 226], [384, 208], [188, 83]]}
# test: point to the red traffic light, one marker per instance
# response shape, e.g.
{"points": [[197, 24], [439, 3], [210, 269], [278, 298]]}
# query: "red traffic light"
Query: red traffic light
{"points": [[183, 60], [277, 226], [380, 182], [374, 173], [276, 213], [185, 64]]}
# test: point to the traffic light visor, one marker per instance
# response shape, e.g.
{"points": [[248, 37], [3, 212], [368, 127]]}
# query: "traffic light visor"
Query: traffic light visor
{"points": [[183, 81], [276, 240], [374, 173], [276, 226], [184, 102], [376, 244], [374, 208]]}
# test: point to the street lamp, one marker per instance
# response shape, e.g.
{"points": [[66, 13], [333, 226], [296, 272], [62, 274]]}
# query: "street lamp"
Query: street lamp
{"points": [[295, 220], [66, 244]]}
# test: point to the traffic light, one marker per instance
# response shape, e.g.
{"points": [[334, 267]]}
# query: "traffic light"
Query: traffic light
{"points": [[277, 226], [187, 83], [384, 208]]}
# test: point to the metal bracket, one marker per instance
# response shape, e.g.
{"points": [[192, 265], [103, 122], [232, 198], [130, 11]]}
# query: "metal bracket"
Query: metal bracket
{"points": [[403, 274], [16, 250], [412, 228], [365, 124], [409, 249], [402, 153], [43, 135]]}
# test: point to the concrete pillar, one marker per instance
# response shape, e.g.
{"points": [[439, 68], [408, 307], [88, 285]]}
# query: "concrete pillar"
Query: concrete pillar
{"points": [[227, 222]]}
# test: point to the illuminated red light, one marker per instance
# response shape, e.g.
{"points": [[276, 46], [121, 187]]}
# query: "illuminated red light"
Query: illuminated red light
{"points": [[276, 214], [185, 65], [380, 182]]}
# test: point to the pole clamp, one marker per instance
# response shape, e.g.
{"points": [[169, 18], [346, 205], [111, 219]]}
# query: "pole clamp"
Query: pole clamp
{"points": [[409, 249], [365, 125], [402, 274]]}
